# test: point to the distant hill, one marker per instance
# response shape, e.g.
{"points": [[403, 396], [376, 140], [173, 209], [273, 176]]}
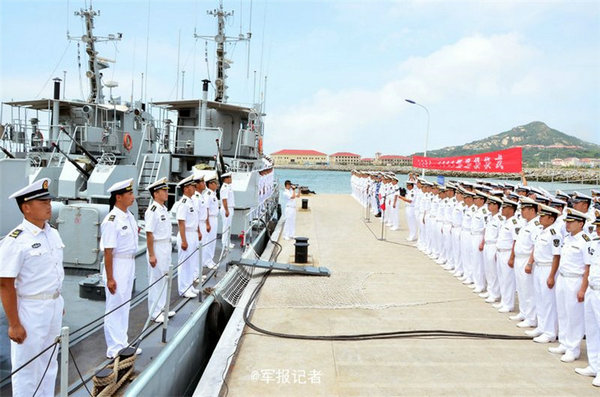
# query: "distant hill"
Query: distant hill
{"points": [[539, 142]]}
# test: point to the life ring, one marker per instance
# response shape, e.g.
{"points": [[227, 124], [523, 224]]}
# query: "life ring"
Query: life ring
{"points": [[127, 142], [260, 149]]}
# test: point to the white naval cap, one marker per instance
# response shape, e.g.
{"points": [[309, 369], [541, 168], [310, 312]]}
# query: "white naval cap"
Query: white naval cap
{"points": [[189, 180], [226, 175], [494, 200], [547, 210], [38, 190], [159, 184], [210, 177], [574, 215], [527, 202], [581, 197], [121, 187]]}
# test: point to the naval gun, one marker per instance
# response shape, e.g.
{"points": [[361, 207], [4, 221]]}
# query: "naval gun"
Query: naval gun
{"points": [[83, 150], [7, 153], [77, 166]]}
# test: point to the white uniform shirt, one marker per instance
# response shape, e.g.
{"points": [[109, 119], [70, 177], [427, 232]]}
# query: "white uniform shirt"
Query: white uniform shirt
{"points": [[479, 220], [547, 244], [492, 228], [119, 232], [288, 193], [187, 212], [410, 195], [227, 194], [212, 203], [201, 203], [594, 261], [467, 218], [33, 257], [574, 253], [508, 233], [526, 238], [457, 214], [158, 221]]}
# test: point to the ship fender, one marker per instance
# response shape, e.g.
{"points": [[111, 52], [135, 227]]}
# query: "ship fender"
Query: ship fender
{"points": [[216, 321]]}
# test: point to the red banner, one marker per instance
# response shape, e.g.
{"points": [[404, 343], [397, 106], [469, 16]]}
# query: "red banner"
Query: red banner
{"points": [[509, 161]]}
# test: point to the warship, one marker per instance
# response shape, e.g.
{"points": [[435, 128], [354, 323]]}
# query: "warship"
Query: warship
{"points": [[84, 146]]}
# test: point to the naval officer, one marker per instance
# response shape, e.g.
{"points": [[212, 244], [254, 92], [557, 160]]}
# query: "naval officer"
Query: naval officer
{"points": [[409, 208], [158, 253], [187, 239], [227, 209], [119, 243], [208, 249], [290, 193], [592, 310], [31, 277], [571, 286]]}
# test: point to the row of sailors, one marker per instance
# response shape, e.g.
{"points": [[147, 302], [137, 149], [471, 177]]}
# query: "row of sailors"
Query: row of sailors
{"points": [[503, 241], [31, 269]]}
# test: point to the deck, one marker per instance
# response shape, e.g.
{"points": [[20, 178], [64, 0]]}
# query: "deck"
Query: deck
{"points": [[382, 286]]}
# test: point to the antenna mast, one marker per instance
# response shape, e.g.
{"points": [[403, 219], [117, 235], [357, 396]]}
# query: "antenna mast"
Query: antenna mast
{"points": [[221, 38], [95, 63]]}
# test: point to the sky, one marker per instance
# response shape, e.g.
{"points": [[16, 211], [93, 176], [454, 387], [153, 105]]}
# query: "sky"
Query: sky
{"points": [[338, 72]]}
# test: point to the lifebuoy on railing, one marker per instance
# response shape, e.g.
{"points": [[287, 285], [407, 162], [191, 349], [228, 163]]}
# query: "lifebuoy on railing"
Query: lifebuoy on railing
{"points": [[127, 142], [260, 145]]}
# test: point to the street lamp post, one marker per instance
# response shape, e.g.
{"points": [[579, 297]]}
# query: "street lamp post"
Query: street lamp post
{"points": [[427, 133]]}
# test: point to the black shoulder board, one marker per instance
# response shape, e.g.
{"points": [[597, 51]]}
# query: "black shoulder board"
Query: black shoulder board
{"points": [[15, 233], [184, 200], [585, 237], [111, 218], [153, 208], [597, 239], [552, 231], [515, 221], [518, 229]]}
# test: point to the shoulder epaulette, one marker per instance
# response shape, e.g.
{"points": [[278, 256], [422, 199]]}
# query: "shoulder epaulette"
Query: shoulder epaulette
{"points": [[473, 209], [184, 200], [515, 221], [585, 237], [484, 211], [153, 208], [15, 233], [536, 223], [597, 239], [111, 218], [552, 231]]}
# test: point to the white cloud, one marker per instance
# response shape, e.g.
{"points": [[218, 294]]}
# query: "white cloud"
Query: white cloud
{"points": [[476, 66]]}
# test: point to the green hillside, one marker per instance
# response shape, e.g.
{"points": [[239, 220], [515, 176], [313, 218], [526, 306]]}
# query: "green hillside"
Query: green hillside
{"points": [[540, 144]]}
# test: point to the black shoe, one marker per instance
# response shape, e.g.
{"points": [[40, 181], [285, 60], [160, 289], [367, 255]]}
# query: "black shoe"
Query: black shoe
{"points": [[378, 215]]}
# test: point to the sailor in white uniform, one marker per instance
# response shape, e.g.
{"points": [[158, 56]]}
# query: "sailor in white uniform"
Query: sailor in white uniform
{"points": [[119, 243], [592, 309], [478, 222], [158, 253], [290, 193], [490, 238], [571, 287], [188, 239], [227, 209], [544, 262], [521, 253], [200, 199], [212, 206], [504, 245], [409, 208], [31, 277]]}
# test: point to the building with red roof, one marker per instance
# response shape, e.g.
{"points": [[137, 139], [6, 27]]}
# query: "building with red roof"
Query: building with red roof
{"points": [[299, 157], [344, 158], [394, 160]]}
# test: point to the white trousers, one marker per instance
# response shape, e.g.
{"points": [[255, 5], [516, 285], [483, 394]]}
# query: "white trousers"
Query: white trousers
{"points": [[525, 292], [157, 294], [592, 328], [465, 253], [545, 300], [477, 262], [456, 249], [394, 215], [506, 277], [491, 270], [42, 320], [570, 313], [289, 228], [421, 232], [226, 230], [188, 260], [209, 243], [116, 324], [411, 220], [447, 242]]}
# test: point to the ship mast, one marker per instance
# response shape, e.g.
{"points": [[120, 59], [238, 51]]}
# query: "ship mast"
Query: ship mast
{"points": [[95, 63], [220, 39]]}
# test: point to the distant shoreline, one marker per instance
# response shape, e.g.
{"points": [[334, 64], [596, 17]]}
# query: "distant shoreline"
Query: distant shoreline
{"points": [[569, 175]]}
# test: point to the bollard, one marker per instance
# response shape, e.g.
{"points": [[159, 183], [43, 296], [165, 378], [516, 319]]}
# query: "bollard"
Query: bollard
{"points": [[167, 304], [301, 250], [304, 204]]}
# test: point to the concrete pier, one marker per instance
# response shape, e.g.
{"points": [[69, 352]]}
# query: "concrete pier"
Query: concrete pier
{"points": [[383, 286]]}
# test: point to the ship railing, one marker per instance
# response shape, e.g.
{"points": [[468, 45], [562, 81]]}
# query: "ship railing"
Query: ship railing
{"points": [[260, 213], [66, 336]]}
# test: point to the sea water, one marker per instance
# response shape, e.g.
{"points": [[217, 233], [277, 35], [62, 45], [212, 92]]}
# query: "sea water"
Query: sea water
{"points": [[339, 181]]}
